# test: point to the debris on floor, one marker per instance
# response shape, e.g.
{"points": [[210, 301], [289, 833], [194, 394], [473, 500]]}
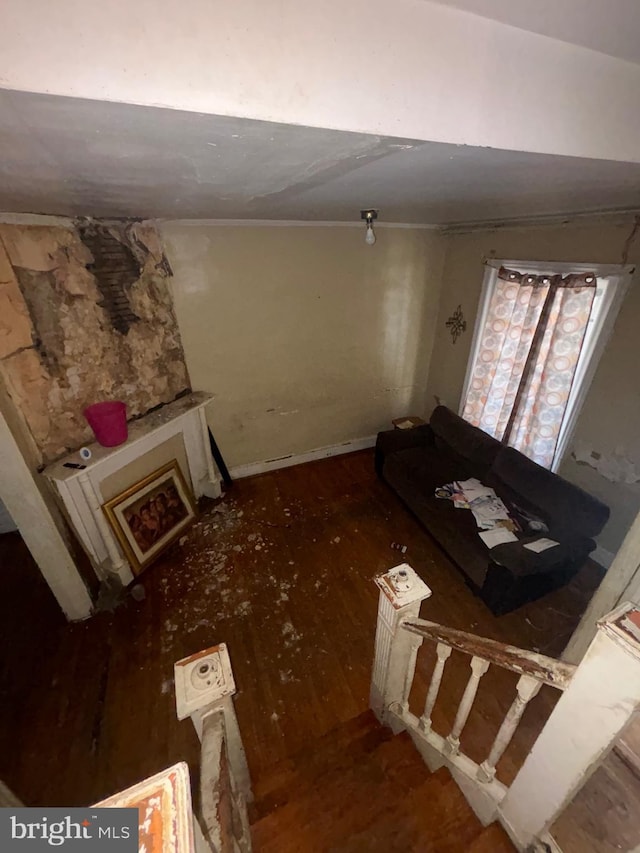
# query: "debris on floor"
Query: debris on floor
{"points": [[137, 592]]}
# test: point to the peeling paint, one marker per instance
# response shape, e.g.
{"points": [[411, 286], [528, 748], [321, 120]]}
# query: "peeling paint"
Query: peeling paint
{"points": [[616, 467], [65, 343]]}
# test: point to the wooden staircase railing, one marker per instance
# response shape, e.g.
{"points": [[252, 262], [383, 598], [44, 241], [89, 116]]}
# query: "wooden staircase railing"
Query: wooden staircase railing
{"points": [[224, 819], [204, 691], [551, 671], [599, 698], [535, 670]]}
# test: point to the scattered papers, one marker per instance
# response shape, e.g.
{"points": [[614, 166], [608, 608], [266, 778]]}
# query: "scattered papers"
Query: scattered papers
{"points": [[473, 489], [541, 545], [460, 503], [497, 536], [488, 510]]}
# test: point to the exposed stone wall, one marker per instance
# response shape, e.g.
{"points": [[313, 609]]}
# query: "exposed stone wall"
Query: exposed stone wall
{"points": [[76, 328]]}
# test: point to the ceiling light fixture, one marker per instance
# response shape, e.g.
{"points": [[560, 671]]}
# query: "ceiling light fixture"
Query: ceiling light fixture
{"points": [[369, 216]]}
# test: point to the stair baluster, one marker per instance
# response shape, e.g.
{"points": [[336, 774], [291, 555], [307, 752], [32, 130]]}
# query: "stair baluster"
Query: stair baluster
{"points": [[478, 668], [443, 653], [527, 688], [574, 740], [416, 642]]}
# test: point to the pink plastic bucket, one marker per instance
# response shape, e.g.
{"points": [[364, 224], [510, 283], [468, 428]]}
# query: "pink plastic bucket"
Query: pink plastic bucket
{"points": [[108, 422]]}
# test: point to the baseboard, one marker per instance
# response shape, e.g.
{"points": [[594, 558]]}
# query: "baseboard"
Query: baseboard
{"points": [[253, 468], [603, 557], [546, 843], [552, 844]]}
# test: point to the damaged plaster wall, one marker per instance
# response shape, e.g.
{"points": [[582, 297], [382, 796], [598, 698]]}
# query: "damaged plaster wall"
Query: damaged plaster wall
{"points": [[608, 422], [307, 336], [85, 315], [615, 467]]}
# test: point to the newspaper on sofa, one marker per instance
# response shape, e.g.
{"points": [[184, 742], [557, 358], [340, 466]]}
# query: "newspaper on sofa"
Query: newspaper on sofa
{"points": [[488, 509]]}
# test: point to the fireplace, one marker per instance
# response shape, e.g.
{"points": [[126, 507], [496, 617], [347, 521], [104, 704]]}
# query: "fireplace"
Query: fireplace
{"points": [[176, 430]]}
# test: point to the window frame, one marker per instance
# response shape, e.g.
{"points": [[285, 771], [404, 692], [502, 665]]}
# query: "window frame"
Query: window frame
{"points": [[618, 278]]}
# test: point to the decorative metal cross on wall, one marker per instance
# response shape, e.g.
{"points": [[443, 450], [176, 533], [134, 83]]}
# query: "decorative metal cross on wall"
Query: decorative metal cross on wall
{"points": [[456, 323]]}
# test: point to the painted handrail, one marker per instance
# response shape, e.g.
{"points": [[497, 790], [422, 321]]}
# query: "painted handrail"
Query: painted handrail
{"points": [[223, 810], [547, 670]]}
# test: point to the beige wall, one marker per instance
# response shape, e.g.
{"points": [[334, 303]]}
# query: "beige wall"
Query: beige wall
{"points": [[307, 336], [610, 419]]}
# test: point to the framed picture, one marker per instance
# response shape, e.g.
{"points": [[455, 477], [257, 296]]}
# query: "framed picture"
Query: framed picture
{"points": [[150, 515]]}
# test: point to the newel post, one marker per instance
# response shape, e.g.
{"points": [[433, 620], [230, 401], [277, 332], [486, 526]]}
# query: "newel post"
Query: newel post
{"points": [[204, 683], [600, 700], [401, 593]]}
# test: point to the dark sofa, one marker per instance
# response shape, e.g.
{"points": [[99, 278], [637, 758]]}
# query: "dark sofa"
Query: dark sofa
{"points": [[415, 462]]}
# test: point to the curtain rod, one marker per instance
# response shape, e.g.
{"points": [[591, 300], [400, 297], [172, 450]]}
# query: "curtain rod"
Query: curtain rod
{"points": [[601, 270]]}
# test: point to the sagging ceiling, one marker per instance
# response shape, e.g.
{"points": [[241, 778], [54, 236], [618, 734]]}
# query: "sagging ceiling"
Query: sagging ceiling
{"points": [[74, 157]]}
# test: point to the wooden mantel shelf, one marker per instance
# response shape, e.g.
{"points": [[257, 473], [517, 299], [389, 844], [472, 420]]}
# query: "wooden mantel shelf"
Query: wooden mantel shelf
{"points": [[140, 431]]}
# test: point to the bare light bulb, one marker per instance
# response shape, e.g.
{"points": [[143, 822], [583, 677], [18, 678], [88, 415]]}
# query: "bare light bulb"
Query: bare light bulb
{"points": [[370, 238]]}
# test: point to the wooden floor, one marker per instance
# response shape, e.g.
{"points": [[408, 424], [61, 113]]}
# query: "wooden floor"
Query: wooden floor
{"points": [[358, 789], [281, 571], [604, 817]]}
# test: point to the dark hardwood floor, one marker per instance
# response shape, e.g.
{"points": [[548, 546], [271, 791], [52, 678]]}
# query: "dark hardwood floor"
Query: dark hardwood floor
{"points": [[280, 569]]}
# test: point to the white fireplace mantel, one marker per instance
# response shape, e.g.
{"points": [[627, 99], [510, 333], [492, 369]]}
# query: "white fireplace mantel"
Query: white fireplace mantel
{"points": [[80, 489]]}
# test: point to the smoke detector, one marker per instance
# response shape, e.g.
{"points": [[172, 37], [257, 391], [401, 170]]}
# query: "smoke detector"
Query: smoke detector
{"points": [[201, 679]]}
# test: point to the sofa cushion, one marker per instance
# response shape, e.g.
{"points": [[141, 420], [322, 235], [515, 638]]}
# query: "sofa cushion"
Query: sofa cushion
{"points": [[414, 474], [466, 440], [521, 561], [567, 510]]}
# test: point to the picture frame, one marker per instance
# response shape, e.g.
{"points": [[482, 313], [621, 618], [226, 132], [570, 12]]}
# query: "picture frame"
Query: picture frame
{"points": [[150, 515]]}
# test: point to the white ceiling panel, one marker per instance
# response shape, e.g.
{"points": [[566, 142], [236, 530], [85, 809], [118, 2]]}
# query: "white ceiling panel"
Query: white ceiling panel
{"points": [[608, 26]]}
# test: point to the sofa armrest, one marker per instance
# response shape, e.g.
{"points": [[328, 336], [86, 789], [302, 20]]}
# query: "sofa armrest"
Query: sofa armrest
{"points": [[520, 561], [393, 440]]}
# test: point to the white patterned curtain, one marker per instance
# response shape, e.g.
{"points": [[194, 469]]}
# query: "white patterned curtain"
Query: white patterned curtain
{"points": [[526, 362]]}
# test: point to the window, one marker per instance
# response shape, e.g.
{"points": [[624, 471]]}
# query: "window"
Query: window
{"points": [[539, 334]]}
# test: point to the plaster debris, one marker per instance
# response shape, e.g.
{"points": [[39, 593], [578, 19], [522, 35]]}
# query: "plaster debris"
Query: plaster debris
{"points": [[291, 636], [138, 592], [286, 676], [167, 685]]}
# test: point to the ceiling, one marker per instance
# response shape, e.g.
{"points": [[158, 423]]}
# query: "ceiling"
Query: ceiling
{"points": [[608, 26], [74, 157]]}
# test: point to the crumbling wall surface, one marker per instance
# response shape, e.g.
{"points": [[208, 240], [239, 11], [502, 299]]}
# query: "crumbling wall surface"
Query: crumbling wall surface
{"points": [[85, 315]]}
